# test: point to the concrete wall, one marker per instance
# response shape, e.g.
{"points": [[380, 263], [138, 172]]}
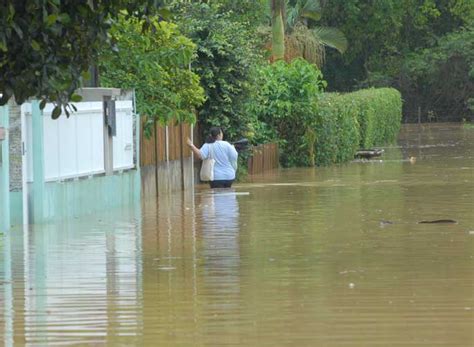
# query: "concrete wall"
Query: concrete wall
{"points": [[54, 201], [4, 174], [80, 197]]}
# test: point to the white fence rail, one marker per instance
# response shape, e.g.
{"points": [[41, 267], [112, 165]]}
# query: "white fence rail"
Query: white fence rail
{"points": [[74, 146]]}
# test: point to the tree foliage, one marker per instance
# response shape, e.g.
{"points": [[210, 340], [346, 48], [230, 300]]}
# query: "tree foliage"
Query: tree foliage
{"points": [[47, 46], [227, 51], [385, 36], [156, 65], [440, 79]]}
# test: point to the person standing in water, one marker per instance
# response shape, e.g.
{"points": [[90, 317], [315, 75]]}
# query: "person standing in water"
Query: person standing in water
{"points": [[224, 154]]}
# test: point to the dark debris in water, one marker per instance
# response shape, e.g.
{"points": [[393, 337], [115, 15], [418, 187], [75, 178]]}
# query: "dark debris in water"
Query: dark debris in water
{"points": [[438, 221], [435, 221]]}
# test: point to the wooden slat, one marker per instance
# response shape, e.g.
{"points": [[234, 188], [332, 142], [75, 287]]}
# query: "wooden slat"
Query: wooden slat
{"points": [[147, 148], [161, 143], [186, 135], [264, 158]]}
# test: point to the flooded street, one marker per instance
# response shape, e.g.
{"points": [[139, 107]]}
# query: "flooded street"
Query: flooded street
{"points": [[299, 257]]}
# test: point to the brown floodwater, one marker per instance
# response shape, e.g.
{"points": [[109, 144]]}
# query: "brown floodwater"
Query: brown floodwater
{"points": [[297, 257]]}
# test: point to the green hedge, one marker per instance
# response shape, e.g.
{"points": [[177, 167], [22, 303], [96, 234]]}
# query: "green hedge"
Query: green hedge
{"points": [[379, 113], [362, 119], [312, 127], [337, 130]]}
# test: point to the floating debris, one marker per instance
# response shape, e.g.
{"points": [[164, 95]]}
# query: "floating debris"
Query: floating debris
{"points": [[369, 153], [385, 222], [438, 221]]}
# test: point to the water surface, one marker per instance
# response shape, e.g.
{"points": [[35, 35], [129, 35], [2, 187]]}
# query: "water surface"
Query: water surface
{"points": [[298, 257]]}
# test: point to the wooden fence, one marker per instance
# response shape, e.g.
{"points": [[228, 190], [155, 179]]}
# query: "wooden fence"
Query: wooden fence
{"points": [[167, 143], [165, 159], [264, 157]]}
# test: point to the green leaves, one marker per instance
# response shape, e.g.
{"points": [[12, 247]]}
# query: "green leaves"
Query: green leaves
{"points": [[64, 18], [51, 19], [313, 127], [156, 65], [35, 45], [442, 77], [378, 113], [76, 98], [285, 102], [56, 112], [42, 104], [227, 51], [404, 43], [47, 45]]}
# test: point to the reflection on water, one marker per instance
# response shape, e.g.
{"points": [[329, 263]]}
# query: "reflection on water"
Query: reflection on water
{"points": [[220, 242], [303, 257]]}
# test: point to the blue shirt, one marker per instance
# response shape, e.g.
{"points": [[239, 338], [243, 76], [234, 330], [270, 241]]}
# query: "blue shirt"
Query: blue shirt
{"points": [[225, 157]]}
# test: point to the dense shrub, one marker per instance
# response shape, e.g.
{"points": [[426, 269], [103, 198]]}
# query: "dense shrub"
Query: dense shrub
{"points": [[346, 122], [379, 113], [284, 105], [337, 130]]}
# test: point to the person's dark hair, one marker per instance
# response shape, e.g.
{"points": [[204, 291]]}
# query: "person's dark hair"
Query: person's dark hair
{"points": [[213, 133]]}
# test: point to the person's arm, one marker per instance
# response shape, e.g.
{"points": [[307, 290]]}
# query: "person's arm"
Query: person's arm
{"points": [[195, 150]]}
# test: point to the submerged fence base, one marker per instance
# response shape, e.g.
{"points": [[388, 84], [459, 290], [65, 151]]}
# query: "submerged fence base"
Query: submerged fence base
{"points": [[166, 177]]}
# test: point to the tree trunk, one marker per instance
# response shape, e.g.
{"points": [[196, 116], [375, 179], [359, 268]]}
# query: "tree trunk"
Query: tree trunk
{"points": [[278, 30]]}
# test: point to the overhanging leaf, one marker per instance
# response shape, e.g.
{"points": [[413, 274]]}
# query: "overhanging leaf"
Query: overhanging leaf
{"points": [[56, 112], [42, 104]]}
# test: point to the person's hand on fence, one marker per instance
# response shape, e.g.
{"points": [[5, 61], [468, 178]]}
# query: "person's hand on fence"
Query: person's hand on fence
{"points": [[189, 142]]}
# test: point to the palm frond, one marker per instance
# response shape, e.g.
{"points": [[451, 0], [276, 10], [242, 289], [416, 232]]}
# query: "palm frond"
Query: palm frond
{"points": [[310, 9], [292, 16], [331, 37], [311, 5]]}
